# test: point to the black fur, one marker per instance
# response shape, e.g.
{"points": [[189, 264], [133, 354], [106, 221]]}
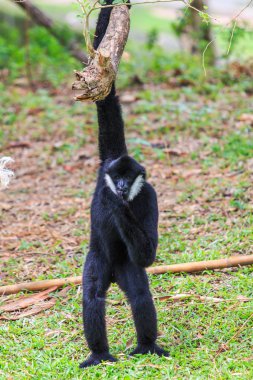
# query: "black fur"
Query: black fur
{"points": [[123, 237]]}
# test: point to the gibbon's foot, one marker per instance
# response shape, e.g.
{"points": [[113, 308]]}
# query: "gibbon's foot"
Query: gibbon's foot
{"points": [[95, 359], [149, 349]]}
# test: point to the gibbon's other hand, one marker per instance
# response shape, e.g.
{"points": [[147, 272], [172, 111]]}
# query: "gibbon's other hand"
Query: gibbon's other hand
{"points": [[114, 199]]}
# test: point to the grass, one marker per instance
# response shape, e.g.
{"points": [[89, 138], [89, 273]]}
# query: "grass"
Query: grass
{"points": [[50, 346], [194, 135]]}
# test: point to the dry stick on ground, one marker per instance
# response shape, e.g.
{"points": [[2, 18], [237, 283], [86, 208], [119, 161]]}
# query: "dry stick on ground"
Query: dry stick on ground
{"points": [[235, 261], [199, 266], [43, 20], [96, 79]]}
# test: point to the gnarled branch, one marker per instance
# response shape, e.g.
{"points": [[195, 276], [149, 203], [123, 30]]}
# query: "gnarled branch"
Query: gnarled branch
{"points": [[96, 79]]}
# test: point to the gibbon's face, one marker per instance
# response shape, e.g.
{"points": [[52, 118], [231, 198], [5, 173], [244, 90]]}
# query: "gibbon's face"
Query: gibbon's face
{"points": [[125, 177]]}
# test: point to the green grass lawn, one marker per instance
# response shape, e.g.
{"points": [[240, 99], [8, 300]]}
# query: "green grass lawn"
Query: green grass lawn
{"points": [[50, 346], [194, 135]]}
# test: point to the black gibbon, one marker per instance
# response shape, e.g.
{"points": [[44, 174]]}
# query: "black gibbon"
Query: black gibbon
{"points": [[123, 241]]}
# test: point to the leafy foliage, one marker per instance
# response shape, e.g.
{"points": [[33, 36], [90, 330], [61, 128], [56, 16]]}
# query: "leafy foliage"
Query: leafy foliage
{"points": [[49, 60]]}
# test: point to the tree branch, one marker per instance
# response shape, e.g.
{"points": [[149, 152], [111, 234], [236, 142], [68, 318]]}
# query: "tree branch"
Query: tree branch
{"points": [[96, 79]]}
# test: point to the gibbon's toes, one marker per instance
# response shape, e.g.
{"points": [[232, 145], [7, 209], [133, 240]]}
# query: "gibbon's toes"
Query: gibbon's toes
{"points": [[95, 359], [143, 349]]}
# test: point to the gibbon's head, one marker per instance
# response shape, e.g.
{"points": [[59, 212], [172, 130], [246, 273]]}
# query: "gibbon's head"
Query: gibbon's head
{"points": [[125, 177]]}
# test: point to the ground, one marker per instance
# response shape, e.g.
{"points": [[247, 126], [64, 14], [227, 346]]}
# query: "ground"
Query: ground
{"points": [[196, 143]]}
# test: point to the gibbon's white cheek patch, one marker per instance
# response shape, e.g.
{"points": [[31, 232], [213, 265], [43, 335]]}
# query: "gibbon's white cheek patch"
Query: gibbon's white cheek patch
{"points": [[136, 187], [110, 184]]}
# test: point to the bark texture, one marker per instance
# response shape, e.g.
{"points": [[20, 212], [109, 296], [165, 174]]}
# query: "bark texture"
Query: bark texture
{"points": [[95, 81]]}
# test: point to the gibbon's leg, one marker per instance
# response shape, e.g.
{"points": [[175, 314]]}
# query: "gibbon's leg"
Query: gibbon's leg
{"points": [[133, 281], [96, 281]]}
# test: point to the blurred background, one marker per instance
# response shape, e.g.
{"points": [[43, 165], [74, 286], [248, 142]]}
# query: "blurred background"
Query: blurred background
{"points": [[166, 29], [189, 120]]}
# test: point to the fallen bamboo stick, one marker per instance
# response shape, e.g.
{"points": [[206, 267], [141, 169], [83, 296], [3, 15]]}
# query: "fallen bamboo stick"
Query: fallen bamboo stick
{"points": [[39, 285], [234, 261], [199, 266]]}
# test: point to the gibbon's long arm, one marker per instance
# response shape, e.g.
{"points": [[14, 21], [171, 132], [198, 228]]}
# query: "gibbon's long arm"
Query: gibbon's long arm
{"points": [[111, 138], [111, 125]]}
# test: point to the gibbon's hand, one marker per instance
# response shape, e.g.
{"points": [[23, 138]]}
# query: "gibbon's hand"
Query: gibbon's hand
{"points": [[114, 200]]}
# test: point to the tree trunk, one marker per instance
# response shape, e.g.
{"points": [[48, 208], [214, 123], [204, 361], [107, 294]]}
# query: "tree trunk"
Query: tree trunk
{"points": [[196, 33]]}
